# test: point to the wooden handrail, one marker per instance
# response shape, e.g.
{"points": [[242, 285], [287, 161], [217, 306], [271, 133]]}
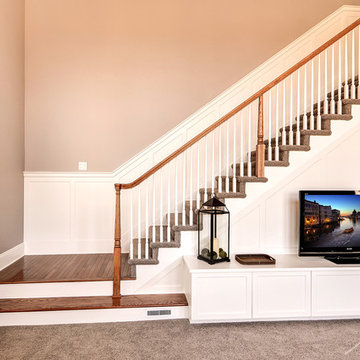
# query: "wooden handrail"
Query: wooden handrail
{"points": [[247, 102]]}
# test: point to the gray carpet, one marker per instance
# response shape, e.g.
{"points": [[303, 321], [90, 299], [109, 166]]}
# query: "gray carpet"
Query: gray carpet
{"points": [[177, 339]]}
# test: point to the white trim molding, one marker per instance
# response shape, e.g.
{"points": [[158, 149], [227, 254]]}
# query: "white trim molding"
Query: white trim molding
{"points": [[11, 255]]}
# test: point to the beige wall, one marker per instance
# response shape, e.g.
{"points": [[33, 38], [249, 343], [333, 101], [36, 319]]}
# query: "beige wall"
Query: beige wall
{"points": [[12, 122], [105, 78]]}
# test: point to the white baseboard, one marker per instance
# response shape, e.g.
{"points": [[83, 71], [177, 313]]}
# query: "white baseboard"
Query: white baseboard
{"points": [[11, 255]]}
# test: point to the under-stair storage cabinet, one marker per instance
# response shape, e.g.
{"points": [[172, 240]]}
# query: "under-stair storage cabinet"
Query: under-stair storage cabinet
{"points": [[294, 288]]}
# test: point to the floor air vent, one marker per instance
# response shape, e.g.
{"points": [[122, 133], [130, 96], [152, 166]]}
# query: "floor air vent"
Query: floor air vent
{"points": [[158, 312]]}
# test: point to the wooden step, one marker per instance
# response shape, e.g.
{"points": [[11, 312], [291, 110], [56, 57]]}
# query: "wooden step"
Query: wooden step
{"points": [[63, 268], [91, 302]]}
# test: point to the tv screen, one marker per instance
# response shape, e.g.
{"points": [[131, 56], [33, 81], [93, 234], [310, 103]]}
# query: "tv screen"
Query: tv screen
{"points": [[329, 222]]}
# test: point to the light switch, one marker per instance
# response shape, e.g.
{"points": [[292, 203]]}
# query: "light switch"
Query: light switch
{"points": [[82, 165]]}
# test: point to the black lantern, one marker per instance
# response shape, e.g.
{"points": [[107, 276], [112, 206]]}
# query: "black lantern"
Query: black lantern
{"points": [[213, 232]]}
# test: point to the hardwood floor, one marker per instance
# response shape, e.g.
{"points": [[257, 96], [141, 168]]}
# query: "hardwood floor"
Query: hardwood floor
{"points": [[91, 302], [69, 267]]}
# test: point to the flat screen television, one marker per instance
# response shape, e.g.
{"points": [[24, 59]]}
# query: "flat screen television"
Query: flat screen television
{"points": [[330, 225]]}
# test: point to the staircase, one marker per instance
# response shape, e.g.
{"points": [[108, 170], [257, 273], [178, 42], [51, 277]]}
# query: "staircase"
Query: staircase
{"points": [[221, 160], [153, 210]]}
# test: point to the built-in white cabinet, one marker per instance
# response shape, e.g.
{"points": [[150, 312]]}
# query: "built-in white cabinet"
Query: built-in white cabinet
{"points": [[336, 293], [221, 296], [281, 294], [294, 288]]}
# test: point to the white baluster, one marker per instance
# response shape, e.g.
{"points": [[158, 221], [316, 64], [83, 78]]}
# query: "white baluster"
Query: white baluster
{"points": [[176, 193], [277, 124], [339, 107], [234, 156], [139, 224], [168, 206], [332, 101], [305, 99], [153, 211], [312, 120], [198, 177], [213, 165], [241, 145], [183, 191], [161, 206], [147, 221], [353, 64], [249, 144], [219, 154], [205, 175], [346, 90], [298, 110], [326, 103], [318, 117], [269, 118], [291, 134], [283, 138], [227, 158], [131, 228], [191, 188]]}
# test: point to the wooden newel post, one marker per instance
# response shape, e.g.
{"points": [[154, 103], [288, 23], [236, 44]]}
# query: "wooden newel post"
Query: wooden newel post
{"points": [[260, 147], [117, 246]]}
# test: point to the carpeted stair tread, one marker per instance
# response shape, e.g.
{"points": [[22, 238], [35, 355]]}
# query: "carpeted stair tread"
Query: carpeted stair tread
{"points": [[336, 117], [294, 147], [143, 261], [351, 101], [185, 228], [164, 244], [252, 179]]}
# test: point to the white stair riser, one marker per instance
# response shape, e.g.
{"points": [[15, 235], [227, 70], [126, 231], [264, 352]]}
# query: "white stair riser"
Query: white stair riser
{"points": [[56, 289], [88, 316]]}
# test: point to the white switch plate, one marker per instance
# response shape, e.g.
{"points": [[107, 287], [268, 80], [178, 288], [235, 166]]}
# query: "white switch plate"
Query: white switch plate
{"points": [[82, 165]]}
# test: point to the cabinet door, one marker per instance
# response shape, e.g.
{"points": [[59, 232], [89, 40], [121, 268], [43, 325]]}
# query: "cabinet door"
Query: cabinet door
{"points": [[281, 294], [336, 293], [221, 296]]}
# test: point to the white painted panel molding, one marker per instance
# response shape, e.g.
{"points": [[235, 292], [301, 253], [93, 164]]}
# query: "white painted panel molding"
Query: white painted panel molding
{"points": [[336, 293], [281, 294]]}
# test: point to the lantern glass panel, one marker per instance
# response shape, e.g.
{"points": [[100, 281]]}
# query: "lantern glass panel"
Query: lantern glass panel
{"points": [[213, 234]]}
